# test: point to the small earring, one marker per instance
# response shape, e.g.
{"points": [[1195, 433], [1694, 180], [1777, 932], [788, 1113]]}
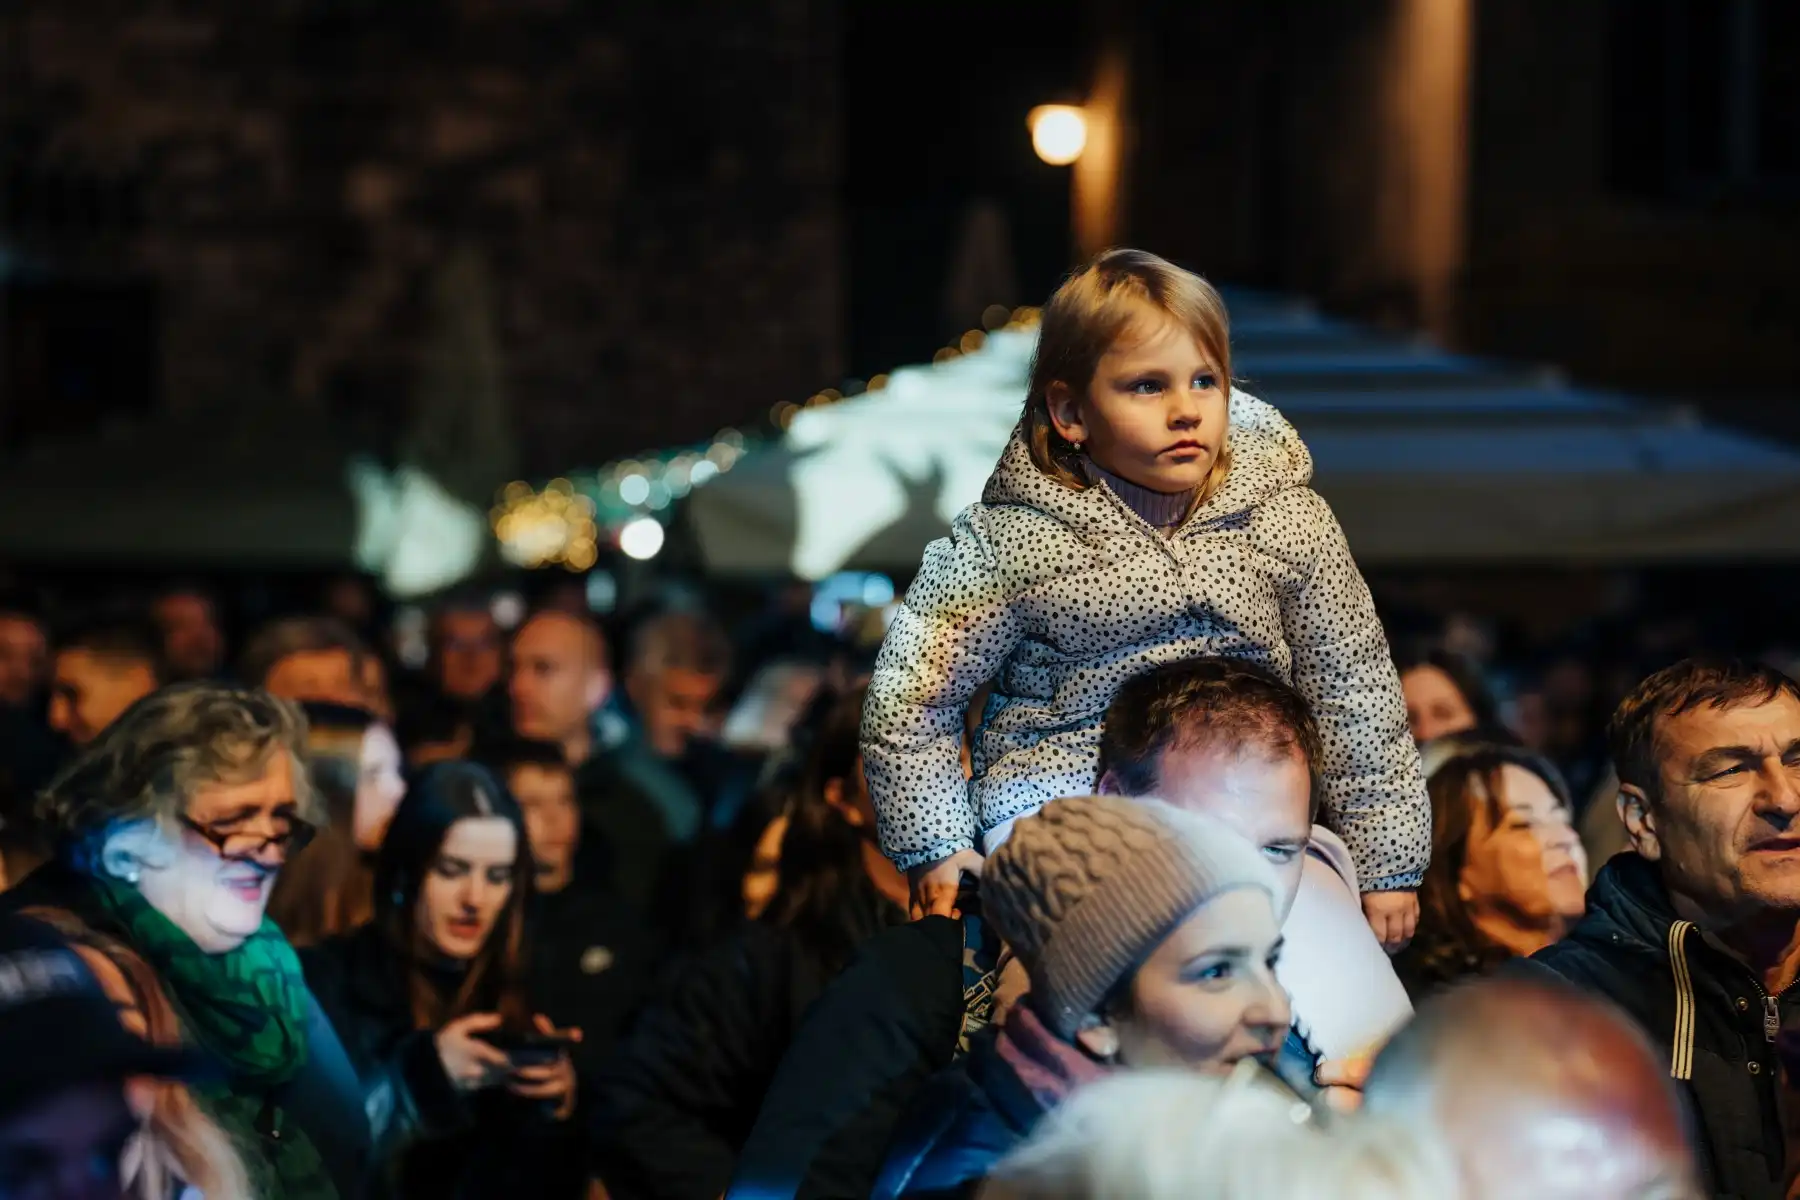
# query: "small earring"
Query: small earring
{"points": [[131, 876], [1077, 446]]}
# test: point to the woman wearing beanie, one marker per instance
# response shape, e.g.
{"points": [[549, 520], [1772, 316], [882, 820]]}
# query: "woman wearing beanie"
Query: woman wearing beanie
{"points": [[1150, 937]]}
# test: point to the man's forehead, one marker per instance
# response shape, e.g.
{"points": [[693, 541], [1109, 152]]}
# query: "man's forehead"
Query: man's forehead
{"points": [[1247, 781], [1770, 726]]}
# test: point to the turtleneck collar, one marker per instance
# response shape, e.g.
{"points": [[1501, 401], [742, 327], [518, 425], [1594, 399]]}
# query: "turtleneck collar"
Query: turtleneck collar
{"points": [[1161, 510]]}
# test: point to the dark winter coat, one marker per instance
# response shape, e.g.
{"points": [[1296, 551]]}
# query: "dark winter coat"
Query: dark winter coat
{"points": [[433, 1142], [1702, 1005], [591, 961], [879, 1031], [674, 1105], [323, 1099], [960, 1124]]}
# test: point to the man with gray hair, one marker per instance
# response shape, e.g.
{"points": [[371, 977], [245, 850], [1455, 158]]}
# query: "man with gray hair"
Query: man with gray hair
{"points": [[1539, 1091], [169, 829]]}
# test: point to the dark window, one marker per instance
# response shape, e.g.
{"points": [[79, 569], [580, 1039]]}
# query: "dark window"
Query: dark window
{"points": [[1703, 98]]}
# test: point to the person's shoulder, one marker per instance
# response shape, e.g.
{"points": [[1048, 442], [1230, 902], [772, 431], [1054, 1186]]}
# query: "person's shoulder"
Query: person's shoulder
{"points": [[949, 1138]]}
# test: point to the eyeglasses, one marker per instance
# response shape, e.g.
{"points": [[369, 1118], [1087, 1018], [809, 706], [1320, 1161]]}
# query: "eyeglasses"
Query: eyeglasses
{"points": [[293, 835]]}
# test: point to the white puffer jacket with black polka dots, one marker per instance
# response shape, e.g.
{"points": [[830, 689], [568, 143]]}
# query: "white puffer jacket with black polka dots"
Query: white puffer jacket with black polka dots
{"points": [[1058, 595]]}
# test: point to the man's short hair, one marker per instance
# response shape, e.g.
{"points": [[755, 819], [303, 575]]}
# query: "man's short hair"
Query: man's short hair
{"points": [[681, 641], [505, 755], [1228, 702], [1631, 734], [151, 760], [297, 635], [117, 645]]}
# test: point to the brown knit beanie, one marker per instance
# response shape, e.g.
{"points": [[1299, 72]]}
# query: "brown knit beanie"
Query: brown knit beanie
{"points": [[1087, 887]]}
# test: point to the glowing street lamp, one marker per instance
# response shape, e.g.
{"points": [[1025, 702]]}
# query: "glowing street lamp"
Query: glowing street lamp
{"points": [[1059, 133]]}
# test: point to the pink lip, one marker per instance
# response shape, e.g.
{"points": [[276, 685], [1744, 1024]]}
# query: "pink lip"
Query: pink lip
{"points": [[467, 927], [1777, 845], [249, 889], [1186, 448]]}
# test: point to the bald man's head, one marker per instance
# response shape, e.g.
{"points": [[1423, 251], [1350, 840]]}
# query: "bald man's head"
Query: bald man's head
{"points": [[1542, 1091], [559, 678]]}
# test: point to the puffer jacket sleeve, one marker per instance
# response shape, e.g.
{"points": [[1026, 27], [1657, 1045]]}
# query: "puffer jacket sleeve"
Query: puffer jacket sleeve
{"points": [[1374, 793], [951, 634]]}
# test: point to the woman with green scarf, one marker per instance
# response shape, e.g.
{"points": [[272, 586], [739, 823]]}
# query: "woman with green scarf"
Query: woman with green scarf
{"points": [[171, 827]]}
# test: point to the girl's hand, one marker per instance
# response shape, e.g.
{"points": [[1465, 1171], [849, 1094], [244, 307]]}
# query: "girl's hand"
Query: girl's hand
{"points": [[1341, 1081], [935, 884], [471, 1063], [1394, 916], [552, 1081]]}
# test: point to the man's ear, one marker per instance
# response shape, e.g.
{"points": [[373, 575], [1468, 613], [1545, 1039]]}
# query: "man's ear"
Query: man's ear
{"points": [[1065, 411], [1640, 821]]}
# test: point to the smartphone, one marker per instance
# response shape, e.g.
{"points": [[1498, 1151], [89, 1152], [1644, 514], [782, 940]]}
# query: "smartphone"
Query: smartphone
{"points": [[529, 1049]]}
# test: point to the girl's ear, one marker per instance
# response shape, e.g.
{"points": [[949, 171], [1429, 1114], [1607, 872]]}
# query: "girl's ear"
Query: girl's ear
{"points": [[1065, 412]]}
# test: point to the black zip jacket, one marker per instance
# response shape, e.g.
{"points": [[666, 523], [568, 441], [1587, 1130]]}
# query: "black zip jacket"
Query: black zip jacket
{"points": [[1704, 1007]]}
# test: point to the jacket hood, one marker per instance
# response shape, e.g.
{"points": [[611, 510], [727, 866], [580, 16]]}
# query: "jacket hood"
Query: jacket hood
{"points": [[1267, 456]]}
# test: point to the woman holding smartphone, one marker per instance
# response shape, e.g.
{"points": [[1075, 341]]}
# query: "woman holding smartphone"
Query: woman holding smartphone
{"points": [[469, 1093]]}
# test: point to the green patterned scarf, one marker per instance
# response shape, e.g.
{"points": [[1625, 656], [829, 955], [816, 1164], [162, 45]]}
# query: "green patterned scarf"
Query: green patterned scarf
{"points": [[248, 1008]]}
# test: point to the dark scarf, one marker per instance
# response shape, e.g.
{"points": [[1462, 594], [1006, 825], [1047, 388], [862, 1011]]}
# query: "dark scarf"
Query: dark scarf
{"points": [[248, 1008]]}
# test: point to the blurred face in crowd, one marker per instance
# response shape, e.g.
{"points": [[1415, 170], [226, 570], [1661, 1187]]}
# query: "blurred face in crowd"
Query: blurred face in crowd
{"points": [[558, 678], [675, 706], [1523, 860], [1207, 997], [193, 647], [468, 885], [379, 785], [467, 653], [552, 821], [1723, 828], [1434, 705], [325, 676], [67, 1146], [1262, 793], [89, 690], [24, 653], [211, 872]]}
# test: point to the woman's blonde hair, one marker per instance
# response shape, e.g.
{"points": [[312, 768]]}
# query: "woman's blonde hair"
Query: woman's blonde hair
{"points": [[1180, 1135], [1082, 320], [181, 1143]]}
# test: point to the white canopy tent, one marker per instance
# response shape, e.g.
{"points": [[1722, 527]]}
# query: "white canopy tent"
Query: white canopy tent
{"points": [[1426, 457]]}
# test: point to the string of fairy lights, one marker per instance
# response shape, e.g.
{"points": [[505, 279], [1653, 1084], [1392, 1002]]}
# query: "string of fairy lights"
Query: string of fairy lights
{"points": [[567, 521]]}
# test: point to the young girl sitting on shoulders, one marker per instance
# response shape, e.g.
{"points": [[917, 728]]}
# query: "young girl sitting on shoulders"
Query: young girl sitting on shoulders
{"points": [[1143, 512]]}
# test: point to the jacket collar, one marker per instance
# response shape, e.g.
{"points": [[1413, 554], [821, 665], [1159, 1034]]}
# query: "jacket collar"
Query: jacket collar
{"points": [[1267, 456]]}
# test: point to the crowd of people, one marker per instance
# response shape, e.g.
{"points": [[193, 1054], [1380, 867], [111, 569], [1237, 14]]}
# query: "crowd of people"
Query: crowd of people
{"points": [[1134, 865]]}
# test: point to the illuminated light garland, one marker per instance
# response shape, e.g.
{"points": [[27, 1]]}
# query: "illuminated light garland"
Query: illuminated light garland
{"points": [[562, 525]]}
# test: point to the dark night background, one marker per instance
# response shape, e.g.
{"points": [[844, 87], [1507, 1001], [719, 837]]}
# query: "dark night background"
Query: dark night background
{"points": [[685, 213]]}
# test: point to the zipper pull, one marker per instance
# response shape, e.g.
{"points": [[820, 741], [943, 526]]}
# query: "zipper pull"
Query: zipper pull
{"points": [[1771, 1017]]}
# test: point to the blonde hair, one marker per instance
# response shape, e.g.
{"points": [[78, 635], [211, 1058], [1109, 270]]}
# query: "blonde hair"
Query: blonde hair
{"points": [[181, 1143], [1082, 320], [1179, 1135]]}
